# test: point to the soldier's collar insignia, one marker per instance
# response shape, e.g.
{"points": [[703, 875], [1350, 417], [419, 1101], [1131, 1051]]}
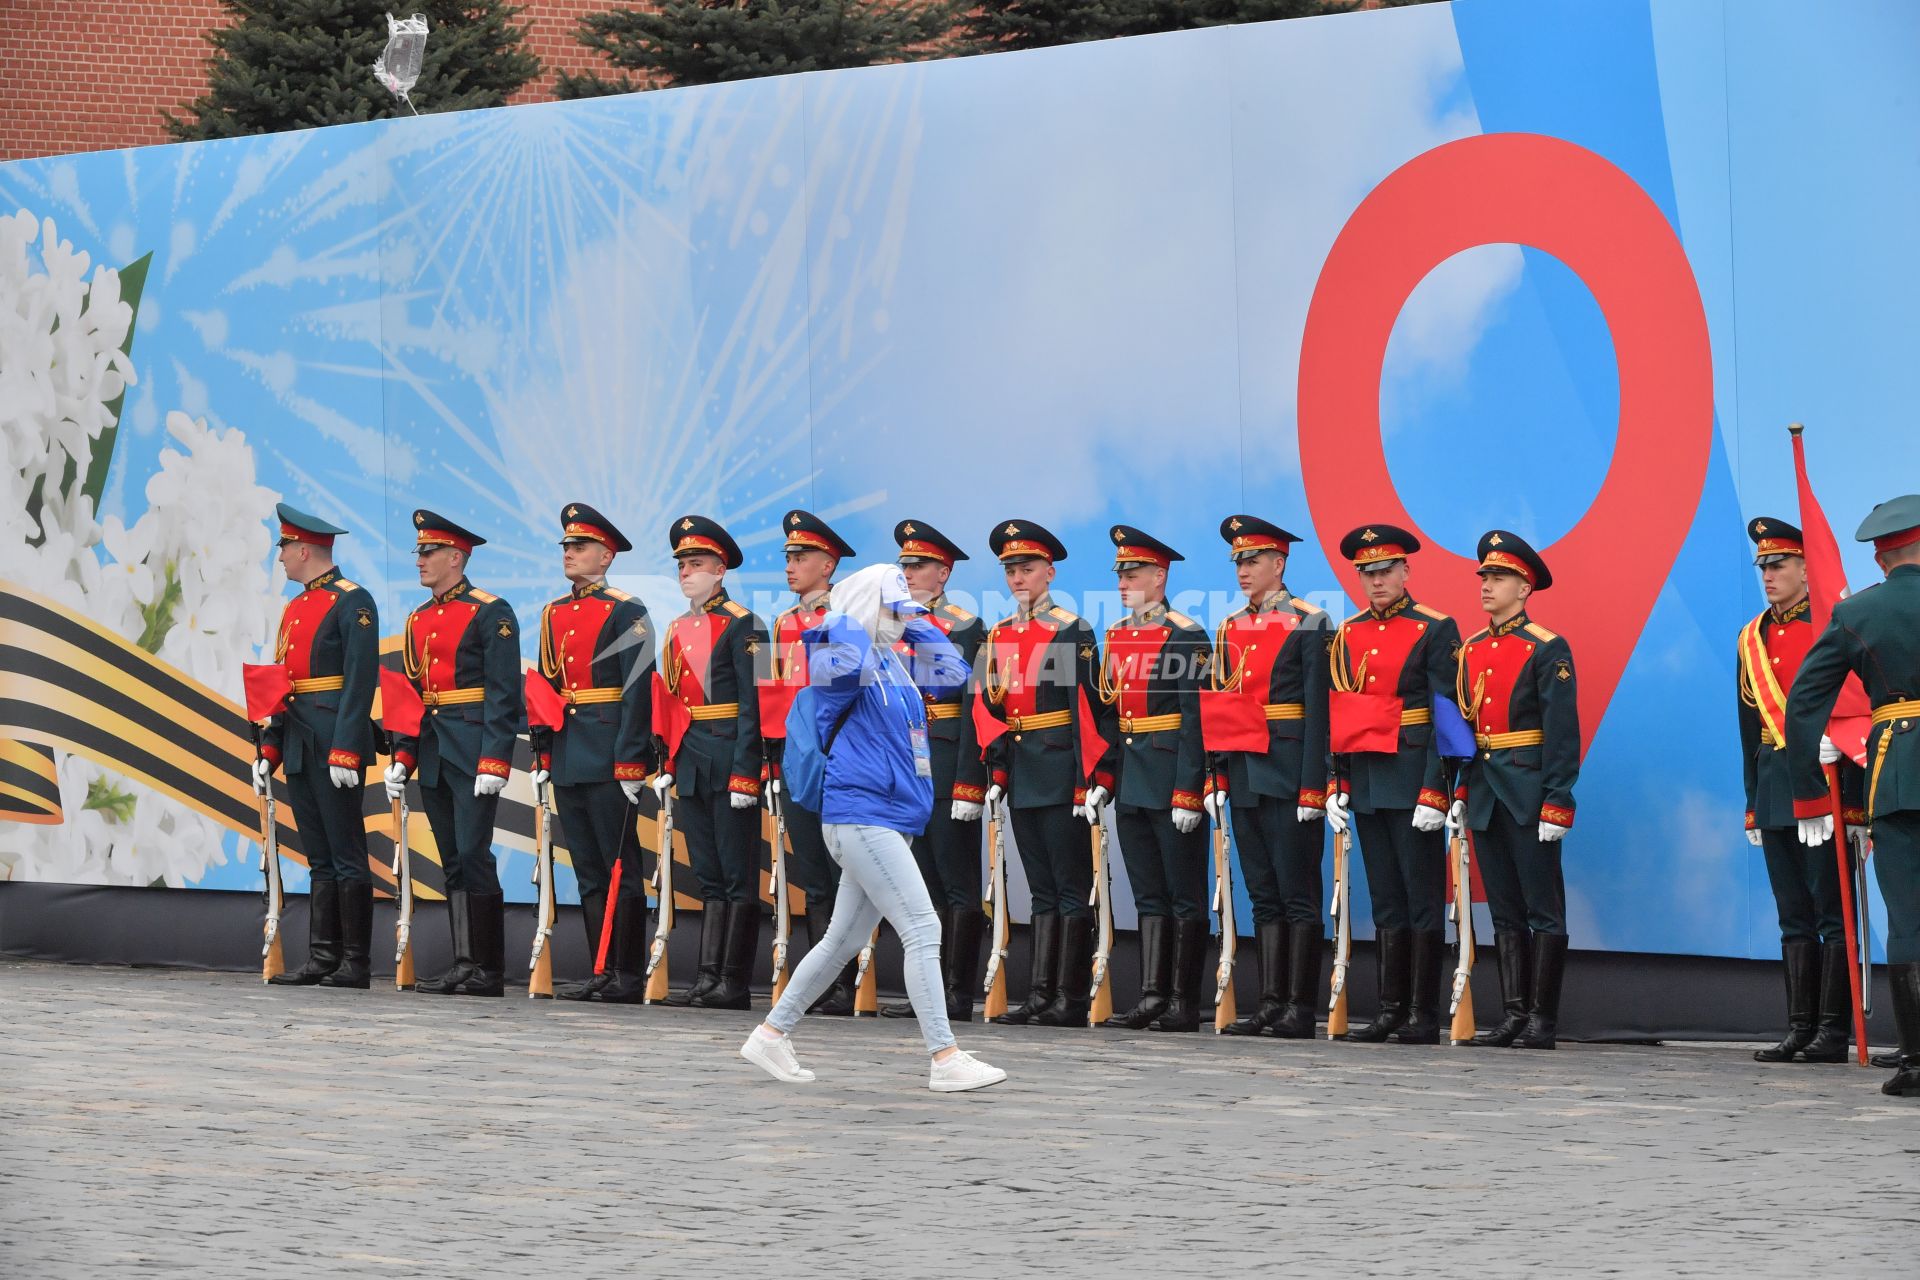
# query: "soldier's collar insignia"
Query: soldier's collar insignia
{"points": [[1399, 606], [326, 579], [1795, 612], [1512, 624]]}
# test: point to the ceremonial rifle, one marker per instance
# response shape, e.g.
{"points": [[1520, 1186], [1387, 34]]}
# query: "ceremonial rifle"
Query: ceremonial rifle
{"points": [[1461, 909], [663, 922], [403, 976], [272, 962], [1843, 851], [1100, 998], [1223, 1002], [996, 985], [540, 965], [866, 980], [782, 912], [1342, 936]]}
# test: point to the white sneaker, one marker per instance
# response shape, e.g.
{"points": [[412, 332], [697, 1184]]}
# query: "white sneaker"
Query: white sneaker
{"points": [[775, 1057], [962, 1071]]}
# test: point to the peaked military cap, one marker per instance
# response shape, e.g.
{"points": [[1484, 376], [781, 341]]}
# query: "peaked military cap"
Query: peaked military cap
{"points": [[692, 534], [1250, 535], [1375, 546], [1503, 552], [1893, 524], [1132, 547], [1017, 540], [1774, 540], [919, 540], [431, 529], [580, 521], [808, 532]]}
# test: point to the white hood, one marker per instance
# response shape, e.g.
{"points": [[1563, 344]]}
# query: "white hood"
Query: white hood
{"points": [[870, 592]]}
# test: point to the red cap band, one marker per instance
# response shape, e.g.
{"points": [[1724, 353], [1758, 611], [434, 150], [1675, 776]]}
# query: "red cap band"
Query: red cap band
{"points": [[294, 533], [1894, 541], [440, 538]]}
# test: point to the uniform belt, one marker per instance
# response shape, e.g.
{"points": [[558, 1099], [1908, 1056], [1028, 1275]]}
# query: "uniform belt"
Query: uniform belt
{"points": [[452, 697], [1881, 715], [715, 711], [587, 697], [1418, 715], [943, 711], [1285, 710], [320, 684], [1504, 741], [1149, 724], [1045, 720], [1886, 715]]}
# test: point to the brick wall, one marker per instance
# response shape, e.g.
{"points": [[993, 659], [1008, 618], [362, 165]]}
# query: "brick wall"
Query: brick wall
{"points": [[88, 75]]}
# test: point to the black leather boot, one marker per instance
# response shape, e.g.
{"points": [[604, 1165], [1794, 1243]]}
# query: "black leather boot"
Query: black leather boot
{"points": [[1543, 1017], [627, 955], [1514, 951], [1800, 962], [1394, 957], [356, 938], [323, 937], [1156, 974], [1905, 978], [487, 917], [1886, 1061], [1189, 965], [1304, 992], [1270, 941], [1429, 963], [1072, 977], [736, 959], [837, 1000], [1043, 937], [460, 929], [713, 940], [960, 953], [1834, 1030], [593, 914]]}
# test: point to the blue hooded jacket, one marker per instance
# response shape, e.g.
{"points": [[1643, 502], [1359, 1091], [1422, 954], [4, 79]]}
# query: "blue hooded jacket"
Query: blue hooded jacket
{"points": [[870, 777]]}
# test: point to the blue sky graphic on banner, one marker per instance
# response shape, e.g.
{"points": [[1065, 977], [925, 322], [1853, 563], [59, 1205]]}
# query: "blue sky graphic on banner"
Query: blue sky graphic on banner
{"points": [[1068, 285]]}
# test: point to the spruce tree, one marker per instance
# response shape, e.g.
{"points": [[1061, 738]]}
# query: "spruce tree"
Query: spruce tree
{"points": [[992, 26], [294, 64], [710, 41]]}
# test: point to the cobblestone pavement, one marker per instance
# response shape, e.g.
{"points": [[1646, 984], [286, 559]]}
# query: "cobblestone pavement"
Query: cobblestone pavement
{"points": [[170, 1123]]}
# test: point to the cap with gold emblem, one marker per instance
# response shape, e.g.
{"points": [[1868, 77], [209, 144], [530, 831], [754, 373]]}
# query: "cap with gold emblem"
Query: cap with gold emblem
{"points": [[1133, 548], [581, 523], [920, 541], [1250, 535], [808, 532], [1774, 540], [297, 526], [1016, 540], [692, 535], [431, 529], [1503, 552], [1373, 547]]}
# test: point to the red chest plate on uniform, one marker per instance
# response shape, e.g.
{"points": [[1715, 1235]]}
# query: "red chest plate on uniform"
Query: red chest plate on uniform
{"points": [[1253, 644], [791, 655], [436, 630], [690, 645], [1787, 646], [1019, 656], [1377, 650], [574, 636], [1133, 659], [1494, 666], [298, 623]]}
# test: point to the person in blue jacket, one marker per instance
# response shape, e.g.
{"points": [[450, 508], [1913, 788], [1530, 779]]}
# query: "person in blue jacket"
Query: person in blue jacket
{"points": [[876, 794]]}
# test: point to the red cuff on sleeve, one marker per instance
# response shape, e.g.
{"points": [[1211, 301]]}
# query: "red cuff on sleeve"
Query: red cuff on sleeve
{"points": [[743, 786], [1432, 799], [1556, 815], [405, 758], [1186, 800], [629, 771], [343, 759], [496, 768], [1079, 795], [542, 760], [1000, 779], [1818, 807], [969, 793], [1460, 792], [271, 755], [1749, 819], [1855, 817], [1312, 799], [1103, 779], [1219, 782]]}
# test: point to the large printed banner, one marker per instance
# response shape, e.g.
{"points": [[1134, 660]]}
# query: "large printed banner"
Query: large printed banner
{"points": [[1565, 269]]}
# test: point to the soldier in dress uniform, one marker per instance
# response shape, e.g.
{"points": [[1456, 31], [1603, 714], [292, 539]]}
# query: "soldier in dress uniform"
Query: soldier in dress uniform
{"points": [[1041, 660], [1875, 635], [1516, 686], [461, 650], [1388, 664], [329, 639], [814, 552], [1149, 688], [1806, 882], [949, 852], [708, 665], [597, 647], [1276, 643]]}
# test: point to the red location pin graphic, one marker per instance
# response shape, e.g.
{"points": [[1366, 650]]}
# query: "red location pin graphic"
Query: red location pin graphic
{"points": [[1528, 189]]}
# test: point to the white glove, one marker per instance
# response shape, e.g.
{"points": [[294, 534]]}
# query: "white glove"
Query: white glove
{"points": [[1186, 821], [1457, 818], [396, 779], [1309, 813], [995, 794], [1816, 831], [342, 776], [773, 787], [1829, 754], [1860, 839], [539, 778], [1096, 797], [262, 776], [1753, 837], [1215, 803], [660, 783], [741, 800], [966, 811], [1426, 818], [1080, 811], [1339, 812], [1550, 832], [488, 784], [632, 790]]}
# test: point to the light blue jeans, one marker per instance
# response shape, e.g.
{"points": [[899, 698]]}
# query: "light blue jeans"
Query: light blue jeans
{"points": [[878, 877]]}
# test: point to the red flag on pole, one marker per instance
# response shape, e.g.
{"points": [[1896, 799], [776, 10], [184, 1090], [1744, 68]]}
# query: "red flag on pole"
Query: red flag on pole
{"points": [[1826, 587], [400, 705], [545, 710], [670, 716], [1092, 745], [1233, 720], [987, 727], [268, 685]]}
